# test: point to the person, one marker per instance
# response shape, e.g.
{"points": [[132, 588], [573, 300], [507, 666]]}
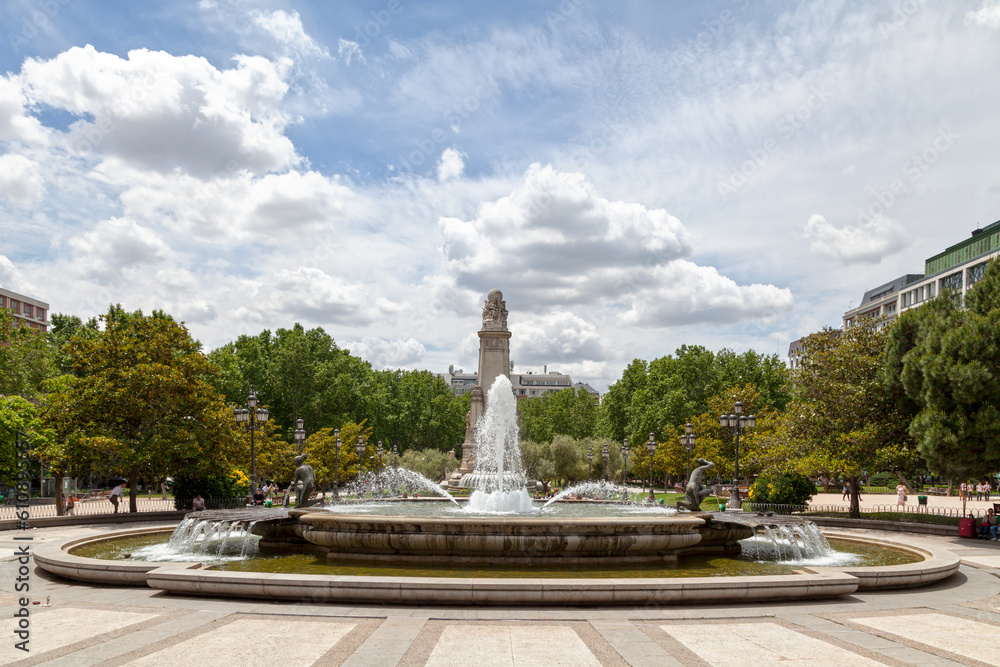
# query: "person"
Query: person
{"points": [[198, 503], [987, 489], [901, 494], [988, 528], [70, 504], [846, 490], [116, 495], [979, 491], [258, 497], [961, 491]]}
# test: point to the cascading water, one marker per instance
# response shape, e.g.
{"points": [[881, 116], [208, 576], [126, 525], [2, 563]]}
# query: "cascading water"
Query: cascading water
{"points": [[802, 544], [194, 537], [498, 478]]}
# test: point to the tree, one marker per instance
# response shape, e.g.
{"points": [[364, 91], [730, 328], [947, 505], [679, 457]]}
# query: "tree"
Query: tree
{"points": [[27, 358], [841, 418], [433, 464], [942, 364], [571, 412], [144, 402]]}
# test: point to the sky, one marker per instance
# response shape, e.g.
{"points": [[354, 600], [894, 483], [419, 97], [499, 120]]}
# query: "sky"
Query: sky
{"points": [[633, 176]]}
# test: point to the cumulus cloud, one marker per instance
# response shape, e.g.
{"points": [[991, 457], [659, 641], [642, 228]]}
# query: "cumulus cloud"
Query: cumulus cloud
{"points": [[988, 15], [114, 245], [451, 164], [12, 279], [20, 179], [164, 112], [382, 353], [316, 296], [15, 123], [865, 243], [560, 336], [559, 238], [682, 293]]}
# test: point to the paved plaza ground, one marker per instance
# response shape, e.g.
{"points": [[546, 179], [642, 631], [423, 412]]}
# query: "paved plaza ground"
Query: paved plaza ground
{"points": [[953, 622]]}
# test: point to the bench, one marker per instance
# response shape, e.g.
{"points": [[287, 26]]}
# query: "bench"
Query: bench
{"points": [[936, 491]]}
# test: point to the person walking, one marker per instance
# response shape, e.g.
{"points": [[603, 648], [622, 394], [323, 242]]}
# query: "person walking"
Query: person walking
{"points": [[846, 490], [987, 489], [901, 494], [979, 491], [116, 496], [70, 504]]}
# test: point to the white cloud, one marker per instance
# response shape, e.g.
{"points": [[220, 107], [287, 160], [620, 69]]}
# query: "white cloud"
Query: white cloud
{"points": [[872, 239], [451, 164], [559, 337], [382, 353], [287, 29], [316, 296], [349, 50], [15, 124], [988, 15], [20, 179], [12, 279], [115, 245], [162, 112]]}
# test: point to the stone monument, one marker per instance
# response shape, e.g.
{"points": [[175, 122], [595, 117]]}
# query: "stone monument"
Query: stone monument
{"points": [[494, 360], [694, 495]]}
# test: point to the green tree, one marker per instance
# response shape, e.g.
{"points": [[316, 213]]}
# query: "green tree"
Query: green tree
{"points": [[941, 365], [27, 358], [433, 464], [144, 399], [841, 418]]}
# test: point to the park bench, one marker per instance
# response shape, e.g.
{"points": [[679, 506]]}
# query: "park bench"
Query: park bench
{"points": [[936, 491]]}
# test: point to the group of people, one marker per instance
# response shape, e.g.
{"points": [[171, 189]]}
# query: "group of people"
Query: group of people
{"points": [[981, 489], [989, 529]]}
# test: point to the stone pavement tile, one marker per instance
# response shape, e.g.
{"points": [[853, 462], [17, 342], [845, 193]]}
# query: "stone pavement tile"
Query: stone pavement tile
{"points": [[992, 561], [59, 630], [635, 646], [387, 644], [240, 639], [110, 648], [510, 644], [959, 638], [763, 642]]}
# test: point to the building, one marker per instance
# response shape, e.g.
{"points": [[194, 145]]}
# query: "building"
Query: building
{"points": [[957, 268], [27, 310], [525, 385]]}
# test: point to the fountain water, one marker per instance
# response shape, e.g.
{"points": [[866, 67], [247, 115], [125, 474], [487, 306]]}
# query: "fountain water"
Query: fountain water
{"points": [[194, 537], [498, 478], [388, 482]]}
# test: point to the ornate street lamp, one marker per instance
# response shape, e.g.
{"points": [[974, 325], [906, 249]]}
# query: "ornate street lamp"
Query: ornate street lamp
{"points": [[395, 456], [737, 423], [625, 469], [254, 418], [378, 452], [651, 448], [688, 442], [604, 454], [300, 433], [590, 463], [361, 454], [336, 462]]}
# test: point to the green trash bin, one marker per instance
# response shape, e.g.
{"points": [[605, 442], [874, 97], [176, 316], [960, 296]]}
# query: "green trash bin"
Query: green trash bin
{"points": [[922, 500]]}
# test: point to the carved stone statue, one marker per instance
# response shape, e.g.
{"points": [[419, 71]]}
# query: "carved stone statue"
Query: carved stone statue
{"points": [[304, 482], [694, 494], [495, 311]]}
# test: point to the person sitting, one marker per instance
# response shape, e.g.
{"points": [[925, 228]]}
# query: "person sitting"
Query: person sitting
{"points": [[198, 504], [258, 497], [988, 527]]}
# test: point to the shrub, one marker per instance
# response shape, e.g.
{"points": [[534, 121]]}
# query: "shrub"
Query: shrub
{"points": [[785, 489], [884, 479], [216, 487]]}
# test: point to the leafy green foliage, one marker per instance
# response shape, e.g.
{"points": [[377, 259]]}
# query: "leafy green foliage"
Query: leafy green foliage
{"points": [[567, 412], [27, 358], [433, 464], [786, 489], [210, 486]]}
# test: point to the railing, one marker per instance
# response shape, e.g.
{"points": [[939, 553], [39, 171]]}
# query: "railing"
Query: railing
{"points": [[906, 513], [212, 503], [90, 506], [764, 508]]}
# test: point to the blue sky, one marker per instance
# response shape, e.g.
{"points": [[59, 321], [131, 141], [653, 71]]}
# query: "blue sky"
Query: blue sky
{"points": [[633, 176]]}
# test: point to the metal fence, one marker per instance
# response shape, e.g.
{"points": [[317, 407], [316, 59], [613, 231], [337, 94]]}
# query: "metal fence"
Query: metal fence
{"points": [[89, 506], [904, 513]]}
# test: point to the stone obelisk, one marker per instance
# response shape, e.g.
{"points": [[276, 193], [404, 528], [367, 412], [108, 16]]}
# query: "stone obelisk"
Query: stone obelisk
{"points": [[494, 360]]}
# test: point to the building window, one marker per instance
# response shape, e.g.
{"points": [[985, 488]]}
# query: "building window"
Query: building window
{"points": [[40, 314], [15, 306], [952, 282], [27, 310], [976, 273]]}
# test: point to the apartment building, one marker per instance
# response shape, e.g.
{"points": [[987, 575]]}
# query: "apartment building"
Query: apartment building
{"points": [[525, 385], [27, 311]]}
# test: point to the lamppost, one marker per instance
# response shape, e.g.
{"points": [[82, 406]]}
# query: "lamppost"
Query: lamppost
{"points": [[361, 455], [651, 448], [604, 454], [378, 452], [395, 456], [738, 424], [254, 418], [336, 462], [688, 442], [625, 470], [590, 463], [300, 433]]}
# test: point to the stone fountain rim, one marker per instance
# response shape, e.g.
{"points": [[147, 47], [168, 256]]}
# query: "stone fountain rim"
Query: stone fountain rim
{"points": [[192, 579], [312, 517]]}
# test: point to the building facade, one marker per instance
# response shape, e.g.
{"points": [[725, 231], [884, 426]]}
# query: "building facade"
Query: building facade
{"points": [[27, 311], [957, 268], [525, 385]]}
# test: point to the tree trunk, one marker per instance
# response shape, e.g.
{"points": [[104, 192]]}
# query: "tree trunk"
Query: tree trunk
{"points": [[60, 508], [855, 498], [133, 480], [163, 490], [950, 482], [906, 482]]}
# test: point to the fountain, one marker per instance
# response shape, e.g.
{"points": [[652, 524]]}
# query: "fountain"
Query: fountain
{"points": [[499, 526]]}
